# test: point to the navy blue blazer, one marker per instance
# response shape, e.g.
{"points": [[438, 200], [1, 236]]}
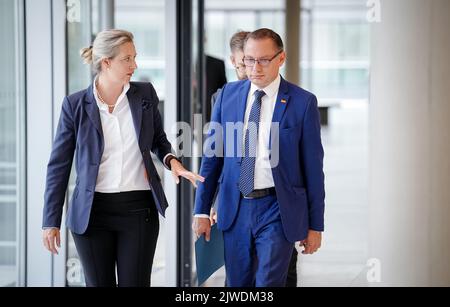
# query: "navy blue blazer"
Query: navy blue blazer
{"points": [[80, 132], [298, 176]]}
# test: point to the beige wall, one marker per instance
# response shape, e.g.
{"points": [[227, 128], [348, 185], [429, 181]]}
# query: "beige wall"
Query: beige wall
{"points": [[410, 147]]}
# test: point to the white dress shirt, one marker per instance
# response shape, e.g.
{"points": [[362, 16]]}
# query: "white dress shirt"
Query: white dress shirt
{"points": [[263, 170], [121, 167]]}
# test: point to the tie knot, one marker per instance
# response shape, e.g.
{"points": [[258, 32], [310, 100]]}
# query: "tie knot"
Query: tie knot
{"points": [[259, 95]]}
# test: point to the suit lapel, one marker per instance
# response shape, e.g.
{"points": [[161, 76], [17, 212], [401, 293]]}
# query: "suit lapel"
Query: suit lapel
{"points": [[242, 105], [280, 108], [92, 111], [281, 103], [135, 99]]}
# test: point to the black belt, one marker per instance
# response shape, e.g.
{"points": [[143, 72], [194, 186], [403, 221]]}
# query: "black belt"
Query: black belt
{"points": [[260, 193]]}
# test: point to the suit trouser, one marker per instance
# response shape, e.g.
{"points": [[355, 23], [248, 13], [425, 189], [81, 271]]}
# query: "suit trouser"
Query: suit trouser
{"points": [[257, 252], [123, 230], [291, 280]]}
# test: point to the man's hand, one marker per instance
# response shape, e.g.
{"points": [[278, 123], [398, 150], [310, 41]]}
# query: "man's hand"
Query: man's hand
{"points": [[179, 170], [50, 237], [202, 225], [312, 242]]}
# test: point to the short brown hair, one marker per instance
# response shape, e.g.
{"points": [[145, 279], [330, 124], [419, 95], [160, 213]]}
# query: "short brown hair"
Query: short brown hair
{"points": [[237, 41], [266, 33]]}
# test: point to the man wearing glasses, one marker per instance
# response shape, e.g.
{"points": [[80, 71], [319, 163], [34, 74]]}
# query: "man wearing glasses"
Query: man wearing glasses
{"points": [[272, 194]]}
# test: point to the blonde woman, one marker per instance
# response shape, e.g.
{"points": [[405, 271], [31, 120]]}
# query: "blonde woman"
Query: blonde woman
{"points": [[111, 127]]}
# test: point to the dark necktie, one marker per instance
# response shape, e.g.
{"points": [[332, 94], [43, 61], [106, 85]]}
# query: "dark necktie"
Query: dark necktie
{"points": [[247, 176]]}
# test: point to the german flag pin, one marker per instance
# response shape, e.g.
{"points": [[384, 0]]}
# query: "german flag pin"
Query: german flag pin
{"points": [[283, 101]]}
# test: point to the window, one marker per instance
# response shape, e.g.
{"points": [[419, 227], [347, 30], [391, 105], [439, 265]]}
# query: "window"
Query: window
{"points": [[12, 142], [145, 19], [335, 50], [79, 35]]}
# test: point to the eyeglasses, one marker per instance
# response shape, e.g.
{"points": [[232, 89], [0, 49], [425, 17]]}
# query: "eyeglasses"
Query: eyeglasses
{"points": [[250, 62]]}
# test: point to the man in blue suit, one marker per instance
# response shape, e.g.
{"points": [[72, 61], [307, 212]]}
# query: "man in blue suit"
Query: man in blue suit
{"points": [[272, 191]]}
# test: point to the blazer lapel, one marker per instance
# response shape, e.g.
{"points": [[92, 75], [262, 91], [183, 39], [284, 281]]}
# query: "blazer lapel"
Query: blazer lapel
{"points": [[281, 103], [280, 109], [92, 111], [135, 102], [242, 103]]}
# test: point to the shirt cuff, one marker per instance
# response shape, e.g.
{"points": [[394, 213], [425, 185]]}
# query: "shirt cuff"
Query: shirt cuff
{"points": [[44, 228], [165, 159], [206, 216]]}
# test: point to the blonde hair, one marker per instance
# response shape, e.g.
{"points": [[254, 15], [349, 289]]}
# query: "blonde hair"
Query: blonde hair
{"points": [[106, 46]]}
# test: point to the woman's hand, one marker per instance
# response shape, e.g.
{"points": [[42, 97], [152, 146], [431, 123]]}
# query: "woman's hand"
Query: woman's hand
{"points": [[50, 237], [179, 170]]}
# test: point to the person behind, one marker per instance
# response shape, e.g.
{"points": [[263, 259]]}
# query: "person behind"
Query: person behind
{"points": [[264, 209], [236, 57], [215, 78], [111, 127]]}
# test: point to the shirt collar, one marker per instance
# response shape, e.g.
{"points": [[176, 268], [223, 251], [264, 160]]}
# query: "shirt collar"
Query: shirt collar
{"points": [[101, 105], [270, 90]]}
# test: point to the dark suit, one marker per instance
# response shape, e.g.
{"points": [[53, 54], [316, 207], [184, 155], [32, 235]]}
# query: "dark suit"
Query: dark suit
{"points": [[216, 78], [298, 178], [80, 132], [291, 280]]}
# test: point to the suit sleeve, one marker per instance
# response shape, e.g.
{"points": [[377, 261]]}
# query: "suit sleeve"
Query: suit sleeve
{"points": [[213, 100], [211, 167], [161, 147], [312, 151], [59, 167]]}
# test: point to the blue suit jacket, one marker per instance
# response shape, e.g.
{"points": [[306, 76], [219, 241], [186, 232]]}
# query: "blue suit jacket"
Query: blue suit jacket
{"points": [[80, 131], [298, 176]]}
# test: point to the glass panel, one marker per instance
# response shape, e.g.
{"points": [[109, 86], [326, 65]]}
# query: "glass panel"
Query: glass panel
{"points": [[335, 53], [79, 35], [145, 19], [11, 141]]}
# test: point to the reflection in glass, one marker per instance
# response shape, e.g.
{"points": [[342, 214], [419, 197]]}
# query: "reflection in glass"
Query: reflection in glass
{"points": [[79, 35], [11, 142]]}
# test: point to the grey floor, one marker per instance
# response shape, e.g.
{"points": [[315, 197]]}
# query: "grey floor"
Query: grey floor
{"points": [[342, 259]]}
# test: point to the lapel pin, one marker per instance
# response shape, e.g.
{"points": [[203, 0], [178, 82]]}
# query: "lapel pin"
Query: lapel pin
{"points": [[283, 101]]}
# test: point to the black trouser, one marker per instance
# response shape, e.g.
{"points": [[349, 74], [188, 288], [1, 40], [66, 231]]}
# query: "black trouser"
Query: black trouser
{"points": [[123, 230], [291, 280]]}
